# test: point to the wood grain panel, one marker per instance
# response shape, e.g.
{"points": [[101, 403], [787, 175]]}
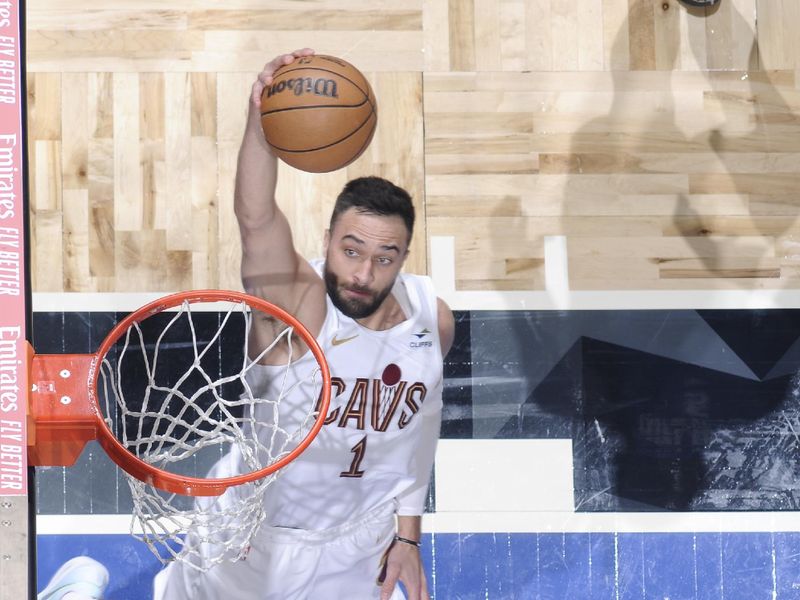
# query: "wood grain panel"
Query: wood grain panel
{"points": [[150, 171], [299, 20], [642, 35], [538, 35], [75, 134], [47, 268], [45, 175], [102, 234], [128, 193], [674, 168], [141, 260], [44, 106], [204, 105], [436, 27], [178, 162], [76, 274], [661, 141], [590, 35], [113, 36], [204, 214], [487, 36]]}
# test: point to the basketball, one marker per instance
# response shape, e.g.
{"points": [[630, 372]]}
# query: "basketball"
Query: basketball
{"points": [[318, 114]]}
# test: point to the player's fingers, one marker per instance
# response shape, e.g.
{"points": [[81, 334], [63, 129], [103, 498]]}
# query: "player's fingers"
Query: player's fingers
{"points": [[282, 59], [423, 588], [264, 78], [416, 591], [255, 93], [392, 575]]}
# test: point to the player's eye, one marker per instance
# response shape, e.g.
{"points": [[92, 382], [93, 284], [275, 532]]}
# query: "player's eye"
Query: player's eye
{"points": [[350, 252]]}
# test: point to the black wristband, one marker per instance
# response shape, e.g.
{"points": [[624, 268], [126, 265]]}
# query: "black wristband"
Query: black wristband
{"points": [[397, 538]]}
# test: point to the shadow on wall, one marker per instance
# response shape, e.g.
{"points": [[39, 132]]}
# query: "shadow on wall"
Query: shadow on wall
{"points": [[695, 164], [700, 422]]}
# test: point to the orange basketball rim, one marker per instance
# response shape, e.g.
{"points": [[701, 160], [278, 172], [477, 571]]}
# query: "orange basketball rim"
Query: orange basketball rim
{"points": [[64, 412]]}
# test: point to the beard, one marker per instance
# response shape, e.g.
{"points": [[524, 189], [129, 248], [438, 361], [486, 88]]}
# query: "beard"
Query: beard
{"points": [[355, 308]]}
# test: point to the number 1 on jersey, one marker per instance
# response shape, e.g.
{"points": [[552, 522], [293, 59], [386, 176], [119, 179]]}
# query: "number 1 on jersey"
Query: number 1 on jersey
{"points": [[360, 449]]}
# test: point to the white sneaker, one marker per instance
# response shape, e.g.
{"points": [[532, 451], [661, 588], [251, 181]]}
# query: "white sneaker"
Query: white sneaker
{"points": [[79, 578]]}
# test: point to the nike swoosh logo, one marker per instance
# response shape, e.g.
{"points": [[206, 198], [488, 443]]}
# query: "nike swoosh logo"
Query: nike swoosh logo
{"points": [[339, 342]]}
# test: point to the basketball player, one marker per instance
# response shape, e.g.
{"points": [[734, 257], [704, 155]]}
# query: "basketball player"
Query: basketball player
{"points": [[343, 520]]}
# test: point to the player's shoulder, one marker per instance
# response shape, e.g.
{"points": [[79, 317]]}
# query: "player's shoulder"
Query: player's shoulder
{"points": [[436, 305], [422, 282], [445, 313], [447, 324]]}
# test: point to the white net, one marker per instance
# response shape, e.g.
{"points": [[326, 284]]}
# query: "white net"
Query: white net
{"points": [[175, 392]]}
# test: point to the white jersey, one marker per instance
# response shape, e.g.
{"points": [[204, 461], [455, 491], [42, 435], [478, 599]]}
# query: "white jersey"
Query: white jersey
{"points": [[380, 435]]}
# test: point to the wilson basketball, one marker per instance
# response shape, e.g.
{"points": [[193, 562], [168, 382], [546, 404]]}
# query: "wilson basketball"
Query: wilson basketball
{"points": [[319, 114]]}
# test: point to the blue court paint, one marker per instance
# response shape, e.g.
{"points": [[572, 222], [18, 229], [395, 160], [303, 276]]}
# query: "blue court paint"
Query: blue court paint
{"points": [[530, 566]]}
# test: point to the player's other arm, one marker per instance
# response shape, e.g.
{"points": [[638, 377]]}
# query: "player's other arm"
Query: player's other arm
{"points": [[403, 561], [412, 501], [271, 267]]}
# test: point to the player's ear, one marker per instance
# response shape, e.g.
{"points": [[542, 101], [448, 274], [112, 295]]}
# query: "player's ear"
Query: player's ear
{"points": [[325, 241]]}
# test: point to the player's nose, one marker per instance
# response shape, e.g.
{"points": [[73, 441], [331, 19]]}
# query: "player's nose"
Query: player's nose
{"points": [[363, 274]]}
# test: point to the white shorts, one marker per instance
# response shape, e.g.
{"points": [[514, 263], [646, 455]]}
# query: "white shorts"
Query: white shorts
{"points": [[294, 564]]}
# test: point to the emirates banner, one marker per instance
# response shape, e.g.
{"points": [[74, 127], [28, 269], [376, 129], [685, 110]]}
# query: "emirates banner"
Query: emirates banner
{"points": [[13, 355]]}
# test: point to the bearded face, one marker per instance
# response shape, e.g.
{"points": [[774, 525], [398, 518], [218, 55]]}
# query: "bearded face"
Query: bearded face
{"points": [[355, 301], [364, 253]]}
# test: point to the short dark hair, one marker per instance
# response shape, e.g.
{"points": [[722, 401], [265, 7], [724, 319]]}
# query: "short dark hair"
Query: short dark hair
{"points": [[375, 195]]}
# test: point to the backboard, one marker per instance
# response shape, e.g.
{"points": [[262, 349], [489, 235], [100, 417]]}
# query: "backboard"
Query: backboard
{"points": [[15, 533]]}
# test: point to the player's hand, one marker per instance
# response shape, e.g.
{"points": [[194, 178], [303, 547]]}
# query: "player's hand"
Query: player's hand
{"points": [[403, 563], [265, 77]]}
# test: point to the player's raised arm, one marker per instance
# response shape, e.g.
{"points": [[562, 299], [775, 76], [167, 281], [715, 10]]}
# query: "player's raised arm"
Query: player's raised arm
{"points": [[271, 267]]}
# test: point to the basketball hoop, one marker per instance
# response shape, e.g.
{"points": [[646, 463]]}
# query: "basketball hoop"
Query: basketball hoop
{"points": [[161, 424]]}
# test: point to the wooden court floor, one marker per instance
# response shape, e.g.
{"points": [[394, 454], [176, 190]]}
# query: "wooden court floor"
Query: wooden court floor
{"points": [[660, 142]]}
